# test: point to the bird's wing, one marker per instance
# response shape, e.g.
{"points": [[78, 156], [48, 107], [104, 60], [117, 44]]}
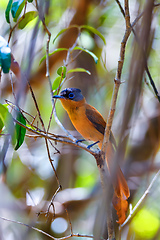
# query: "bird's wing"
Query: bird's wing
{"points": [[98, 122], [95, 118]]}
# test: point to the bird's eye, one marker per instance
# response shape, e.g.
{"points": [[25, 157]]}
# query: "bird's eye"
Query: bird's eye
{"points": [[71, 95]]}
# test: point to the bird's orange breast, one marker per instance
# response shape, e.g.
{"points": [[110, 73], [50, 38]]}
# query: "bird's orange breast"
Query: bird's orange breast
{"points": [[77, 114]]}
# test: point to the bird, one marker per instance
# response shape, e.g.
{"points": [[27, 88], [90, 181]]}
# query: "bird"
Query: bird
{"points": [[91, 125]]}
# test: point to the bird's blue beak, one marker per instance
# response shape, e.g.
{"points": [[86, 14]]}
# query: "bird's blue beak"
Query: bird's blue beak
{"points": [[57, 96]]}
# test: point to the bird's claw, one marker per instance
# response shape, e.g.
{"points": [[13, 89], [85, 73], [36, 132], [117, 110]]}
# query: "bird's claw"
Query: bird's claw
{"points": [[91, 145], [80, 140]]}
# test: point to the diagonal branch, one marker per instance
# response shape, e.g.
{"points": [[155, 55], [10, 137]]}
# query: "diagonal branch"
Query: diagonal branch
{"points": [[117, 82], [45, 233]]}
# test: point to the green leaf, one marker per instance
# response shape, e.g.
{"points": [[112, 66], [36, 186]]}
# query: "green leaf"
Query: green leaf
{"points": [[16, 9], [56, 83], [65, 29], [20, 131], [79, 70], [30, 1], [6, 120], [55, 51], [1, 124], [29, 16], [87, 51], [62, 71], [8, 9], [5, 59], [62, 31], [3, 113], [5, 55], [94, 30]]}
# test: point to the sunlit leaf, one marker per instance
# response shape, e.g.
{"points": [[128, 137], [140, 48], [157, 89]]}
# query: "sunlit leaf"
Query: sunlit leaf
{"points": [[87, 51], [1, 124], [29, 16], [16, 9], [62, 71], [56, 83], [56, 50], [3, 113], [64, 30], [6, 120], [8, 9], [79, 70], [20, 131], [95, 31], [5, 55]]}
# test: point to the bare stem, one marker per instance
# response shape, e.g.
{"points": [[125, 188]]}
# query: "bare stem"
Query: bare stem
{"points": [[58, 138], [117, 80], [45, 233]]}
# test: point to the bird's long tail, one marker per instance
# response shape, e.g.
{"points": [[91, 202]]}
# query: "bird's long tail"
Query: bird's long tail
{"points": [[121, 189], [118, 180]]}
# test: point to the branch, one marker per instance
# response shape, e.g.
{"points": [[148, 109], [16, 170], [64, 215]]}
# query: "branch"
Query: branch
{"points": [[58, 138], [117, 80], [42, 123], [66, 63], [45, 233]]}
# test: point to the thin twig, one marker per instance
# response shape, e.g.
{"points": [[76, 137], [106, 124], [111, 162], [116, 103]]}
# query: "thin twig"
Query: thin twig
{"points": [[50, 85], [133, 212], [46, 234], [57, 151], [46, 142], [58, 138], [66, 63], [42, 123], [14, 95], [70, 224], [12, 105], [52, 201]]}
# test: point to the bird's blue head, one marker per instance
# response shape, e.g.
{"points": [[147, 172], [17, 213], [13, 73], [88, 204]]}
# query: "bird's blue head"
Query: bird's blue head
{"points": [[73, 94]]}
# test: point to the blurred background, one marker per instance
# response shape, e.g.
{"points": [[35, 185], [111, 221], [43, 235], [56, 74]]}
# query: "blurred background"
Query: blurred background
{"points": [[28, 181]]}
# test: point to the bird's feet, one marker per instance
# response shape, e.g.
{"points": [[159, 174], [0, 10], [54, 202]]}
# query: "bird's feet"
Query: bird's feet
{"points": [[80, 140], [91, 145]]}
